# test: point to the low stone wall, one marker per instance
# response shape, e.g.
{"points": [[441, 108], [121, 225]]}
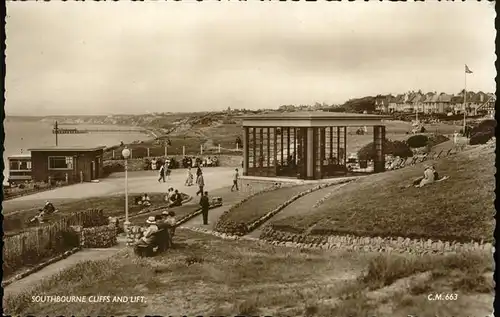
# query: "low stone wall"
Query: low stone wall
{"points": [[377, 244], [353, 243], [97, 237]]}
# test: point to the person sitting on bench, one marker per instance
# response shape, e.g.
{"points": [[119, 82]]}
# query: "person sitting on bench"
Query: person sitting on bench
{"points": [[176, 199], [147, 237]]}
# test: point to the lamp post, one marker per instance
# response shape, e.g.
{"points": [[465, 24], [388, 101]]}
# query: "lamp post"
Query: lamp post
{"points": [[126, 155]]}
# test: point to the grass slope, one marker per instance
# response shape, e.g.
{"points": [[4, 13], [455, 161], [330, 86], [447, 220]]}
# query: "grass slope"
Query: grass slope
{"points": [[460, 208], [207, 276], [113, 206], [260, 204]]}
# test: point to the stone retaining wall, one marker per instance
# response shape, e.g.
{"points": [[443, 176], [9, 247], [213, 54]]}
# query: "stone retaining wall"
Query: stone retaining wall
{"points": [[97, 237], [377, 244], [353, 243]]}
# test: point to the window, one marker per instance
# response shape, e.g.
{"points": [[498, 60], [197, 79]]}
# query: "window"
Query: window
{"points": [[20, 165], [25, 165], [14, 165], [60, 163]]}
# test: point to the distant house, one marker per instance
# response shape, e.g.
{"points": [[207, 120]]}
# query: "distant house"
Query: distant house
{"points": [[431, 103], [399, 101], [417, 102], [382, 103], [72, 163], [443, 102]]}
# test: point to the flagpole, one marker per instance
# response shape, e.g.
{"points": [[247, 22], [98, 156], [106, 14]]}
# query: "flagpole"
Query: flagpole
{"points": [[465, 99]]}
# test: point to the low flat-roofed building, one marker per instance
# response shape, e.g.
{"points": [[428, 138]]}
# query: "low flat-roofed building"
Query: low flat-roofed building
{"points": [[74, 164]]}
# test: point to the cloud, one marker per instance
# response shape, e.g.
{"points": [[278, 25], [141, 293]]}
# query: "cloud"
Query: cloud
{"points": [[125, 57]]}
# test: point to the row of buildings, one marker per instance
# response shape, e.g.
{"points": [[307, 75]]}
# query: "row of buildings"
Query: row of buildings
{"points": [[437, 103]]}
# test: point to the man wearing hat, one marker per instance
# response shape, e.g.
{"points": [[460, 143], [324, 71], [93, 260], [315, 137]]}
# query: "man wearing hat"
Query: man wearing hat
{"points": [[147, 238]]}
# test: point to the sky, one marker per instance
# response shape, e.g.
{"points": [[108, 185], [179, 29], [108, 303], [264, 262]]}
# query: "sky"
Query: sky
{"points": [[125, 57]]}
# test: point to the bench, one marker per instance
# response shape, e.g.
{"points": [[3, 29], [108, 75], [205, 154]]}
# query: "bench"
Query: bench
{"points": [[160, 243]]}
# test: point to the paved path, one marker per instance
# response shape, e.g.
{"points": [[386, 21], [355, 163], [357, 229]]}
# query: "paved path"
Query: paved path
{"points": [[138, 182], [86, 254], [228, 199], [217, 180]]}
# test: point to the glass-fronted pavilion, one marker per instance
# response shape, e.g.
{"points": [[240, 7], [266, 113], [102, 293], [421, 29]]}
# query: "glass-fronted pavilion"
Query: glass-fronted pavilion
{"points": [[306, 145]]}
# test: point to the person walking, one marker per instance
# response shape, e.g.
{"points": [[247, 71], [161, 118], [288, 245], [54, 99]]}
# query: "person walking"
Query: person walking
{"points": [[168, 170], [190, 177], [162, 174], [236, 177], [205, 205], [201, 183]]}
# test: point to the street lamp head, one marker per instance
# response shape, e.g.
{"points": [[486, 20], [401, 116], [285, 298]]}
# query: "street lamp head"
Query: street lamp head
{"points": [[126, 153]]}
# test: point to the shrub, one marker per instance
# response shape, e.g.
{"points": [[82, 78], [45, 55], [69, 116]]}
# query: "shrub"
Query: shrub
{"points": [[417, 141], [485, 127], [436, 139], [110, 167], [480, 138], [147, 164], [396, 148]]}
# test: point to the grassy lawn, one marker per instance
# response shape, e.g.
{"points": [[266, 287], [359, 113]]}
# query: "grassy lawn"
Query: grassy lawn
{"points": [[113, 206], [180, 212], [395, 131], [460, 208], [207, 276], [261, 204], [225, 134]]}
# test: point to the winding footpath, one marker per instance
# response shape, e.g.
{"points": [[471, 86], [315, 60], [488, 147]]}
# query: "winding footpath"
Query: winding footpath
{"points": [[217, 180], [299, 206]]}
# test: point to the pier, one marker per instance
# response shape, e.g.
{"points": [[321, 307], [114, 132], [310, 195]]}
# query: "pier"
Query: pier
{"points": [[82, 131]]}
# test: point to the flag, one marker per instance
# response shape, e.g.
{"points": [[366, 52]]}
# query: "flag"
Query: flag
{"points": [[467, 70]]}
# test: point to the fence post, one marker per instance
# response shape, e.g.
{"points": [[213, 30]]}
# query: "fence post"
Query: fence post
{"points": [[166, 151], [219, 148], [237, 146], [148, 152], [113, 154], [201, 149], [131, 154], [183, 150]]}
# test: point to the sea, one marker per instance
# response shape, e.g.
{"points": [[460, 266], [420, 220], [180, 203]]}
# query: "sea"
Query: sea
{"points": [[20, 136]]}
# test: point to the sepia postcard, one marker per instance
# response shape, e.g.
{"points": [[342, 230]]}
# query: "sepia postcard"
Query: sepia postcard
{"points": [[249, 158]]}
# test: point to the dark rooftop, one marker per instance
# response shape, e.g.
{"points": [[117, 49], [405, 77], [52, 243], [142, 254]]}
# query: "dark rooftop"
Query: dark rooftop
{"points": [[314, 115], [67, 149]]}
